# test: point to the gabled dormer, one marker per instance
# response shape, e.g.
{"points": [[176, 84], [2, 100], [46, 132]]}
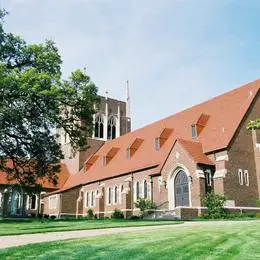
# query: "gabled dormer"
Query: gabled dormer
{"points": [[134, 147], [162, 138], [110, 155], [89, 163], [197, 127]]}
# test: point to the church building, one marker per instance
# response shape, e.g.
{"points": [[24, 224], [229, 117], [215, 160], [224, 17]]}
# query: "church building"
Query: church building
{"points": [[174, 162]]}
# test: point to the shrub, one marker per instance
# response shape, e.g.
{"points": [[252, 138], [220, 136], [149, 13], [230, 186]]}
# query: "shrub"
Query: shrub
{"points": [[145, 205], [133, 217], [117, 214], [258, 215], [90, 214], [258, 203], [39, 216], [52, 217], [46, 216], [33, 215], [215, 204]]}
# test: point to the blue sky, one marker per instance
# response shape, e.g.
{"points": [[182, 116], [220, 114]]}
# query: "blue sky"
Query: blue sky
{"points": [[175, 53]]}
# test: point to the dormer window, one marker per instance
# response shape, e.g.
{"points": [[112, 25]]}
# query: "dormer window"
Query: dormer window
{"points": [[197, 127], [110, 155], [90, 162], [163, 137], [194, 131], [134, 147]]}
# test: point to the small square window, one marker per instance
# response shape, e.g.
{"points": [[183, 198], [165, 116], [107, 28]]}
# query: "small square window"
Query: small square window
{"points": [[157, 144], [104, 160], [194, 131], [128, 153]]}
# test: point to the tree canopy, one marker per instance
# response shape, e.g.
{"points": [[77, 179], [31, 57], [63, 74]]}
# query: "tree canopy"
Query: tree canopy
{"points": [[34, 101]]}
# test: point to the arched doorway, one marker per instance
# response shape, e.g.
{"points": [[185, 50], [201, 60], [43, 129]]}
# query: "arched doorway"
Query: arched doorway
{"points": [[181, 189]]}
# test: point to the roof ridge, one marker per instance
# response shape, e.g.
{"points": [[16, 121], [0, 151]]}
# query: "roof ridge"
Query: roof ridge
{"points": [[190, 108]]}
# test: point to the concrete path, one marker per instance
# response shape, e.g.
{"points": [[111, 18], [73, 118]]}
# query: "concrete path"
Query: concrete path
{"points": [[18, 240]]}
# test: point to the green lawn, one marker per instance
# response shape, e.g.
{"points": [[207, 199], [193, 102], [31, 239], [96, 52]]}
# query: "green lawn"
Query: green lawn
{"points": [[236, 240], [16, 227]]}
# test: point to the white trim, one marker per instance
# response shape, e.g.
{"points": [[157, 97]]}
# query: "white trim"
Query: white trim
{"points": [[200, 174], [128, 178], [56, 205], [220, 173], [240, 177], [246, 177], [221, 156], [103, 184]]}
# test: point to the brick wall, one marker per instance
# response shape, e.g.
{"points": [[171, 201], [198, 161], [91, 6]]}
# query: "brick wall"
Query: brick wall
{"points": [[179, 158], [241, 156]]}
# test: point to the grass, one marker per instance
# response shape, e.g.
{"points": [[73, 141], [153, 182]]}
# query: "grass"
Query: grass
{"points": [[16, 227], [229, 240]]}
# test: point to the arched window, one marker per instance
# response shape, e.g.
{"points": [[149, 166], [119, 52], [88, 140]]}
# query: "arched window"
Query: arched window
{"points": [[137, 191], [87, 200], [116, 195], [145, 189], [92, 198], [99, 126], [111, 128], [33, 201]]}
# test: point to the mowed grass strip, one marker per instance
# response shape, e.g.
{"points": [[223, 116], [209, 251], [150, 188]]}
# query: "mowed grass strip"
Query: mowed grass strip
{"points": [[17, 227], [219, 241]]}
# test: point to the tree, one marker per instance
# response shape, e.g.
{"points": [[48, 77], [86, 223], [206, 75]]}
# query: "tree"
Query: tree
{"points": [[34, 101], [252, 125]]}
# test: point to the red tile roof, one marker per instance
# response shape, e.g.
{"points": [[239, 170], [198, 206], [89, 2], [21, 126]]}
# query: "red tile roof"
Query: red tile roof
{"points": [[224, 113], [63, 177], [194, 149]]}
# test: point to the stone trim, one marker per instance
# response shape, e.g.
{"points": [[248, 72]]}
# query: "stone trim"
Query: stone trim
{"points": [[221, 156], [200, 174], [220, 174]]}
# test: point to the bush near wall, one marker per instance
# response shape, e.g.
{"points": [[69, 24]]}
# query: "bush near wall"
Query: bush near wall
{"points": [[215, 205]]}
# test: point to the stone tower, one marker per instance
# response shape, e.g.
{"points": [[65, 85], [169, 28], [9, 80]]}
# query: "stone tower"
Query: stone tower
{"points": [[112, 120]]}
